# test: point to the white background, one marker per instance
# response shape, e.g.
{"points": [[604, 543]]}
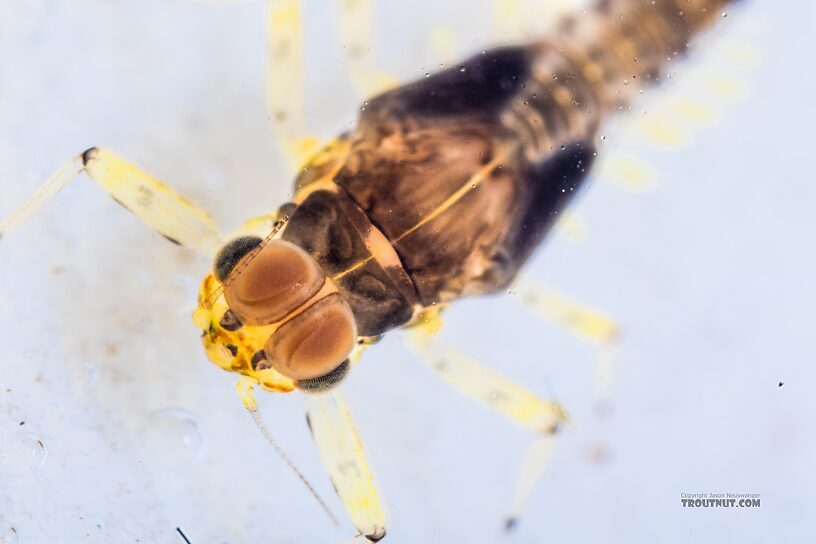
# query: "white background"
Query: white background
{"points": [[710, 275]]}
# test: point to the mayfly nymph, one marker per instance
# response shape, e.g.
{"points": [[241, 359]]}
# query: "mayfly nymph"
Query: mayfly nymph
{"points": [[443, 189]]}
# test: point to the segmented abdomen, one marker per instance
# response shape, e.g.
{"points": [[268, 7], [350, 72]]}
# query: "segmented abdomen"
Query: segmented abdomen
{"points": [[596, 62]]}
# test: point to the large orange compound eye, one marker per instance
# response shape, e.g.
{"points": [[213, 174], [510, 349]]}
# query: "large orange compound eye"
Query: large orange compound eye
{"points": [[315, 342], [264, 285]]}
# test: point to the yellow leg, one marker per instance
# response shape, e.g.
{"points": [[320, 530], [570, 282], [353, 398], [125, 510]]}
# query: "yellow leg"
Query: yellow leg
{"points": [[508, 19], [493, 390], [341, 452], [443, 41], [284, 80], [542, 417], [580, 320], [355, 31], [522, 20], [626, 172], [572, 227], [158, 206]]}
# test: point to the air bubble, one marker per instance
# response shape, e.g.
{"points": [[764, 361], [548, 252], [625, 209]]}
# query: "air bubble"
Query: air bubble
{"points": [[8, 535], [23, 453], [173, 438]]}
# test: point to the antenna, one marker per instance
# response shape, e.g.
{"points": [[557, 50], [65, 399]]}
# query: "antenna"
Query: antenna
{"points": [[259, 422]]}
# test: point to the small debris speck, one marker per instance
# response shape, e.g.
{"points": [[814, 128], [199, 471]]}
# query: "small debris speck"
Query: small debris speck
{"points": [[781, 384], [180, 532]]}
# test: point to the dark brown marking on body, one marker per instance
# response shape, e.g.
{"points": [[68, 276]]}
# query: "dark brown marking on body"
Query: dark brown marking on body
{"points": [[549, 186], [230, 321], [89, 154], [377, 535], [317, 225], [260, 361], [408, 178], [479, 86]]}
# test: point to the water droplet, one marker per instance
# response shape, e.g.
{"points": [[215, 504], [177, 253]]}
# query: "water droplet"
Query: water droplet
{"points": [[173, 438], [23, 452], [8, 535]]}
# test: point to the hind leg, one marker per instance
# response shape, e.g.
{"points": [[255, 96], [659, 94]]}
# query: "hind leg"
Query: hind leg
{"points": [[355, 32], [544, 418], [582, 321], [284, 80]]}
